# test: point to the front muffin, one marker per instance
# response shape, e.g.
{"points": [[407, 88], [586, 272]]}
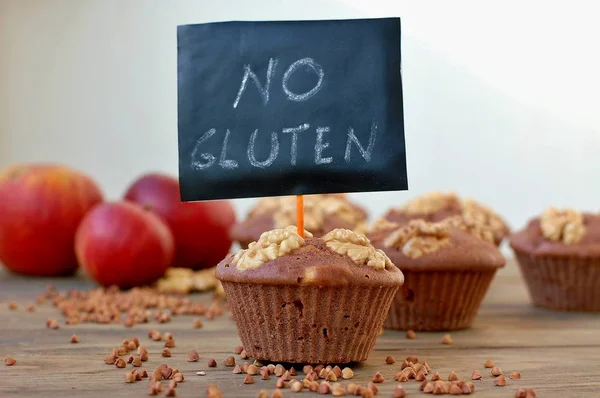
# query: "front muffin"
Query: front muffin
{"points": [[322, 213], [448, 267], [309, 300], [559, 257], [437, 206]]}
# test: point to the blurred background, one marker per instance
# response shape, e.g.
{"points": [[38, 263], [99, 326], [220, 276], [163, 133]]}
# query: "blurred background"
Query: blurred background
{"points": [[501, 97]]}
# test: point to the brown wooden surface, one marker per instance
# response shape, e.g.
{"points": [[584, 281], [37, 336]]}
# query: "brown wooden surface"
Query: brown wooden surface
{"points": [[558, 354]]}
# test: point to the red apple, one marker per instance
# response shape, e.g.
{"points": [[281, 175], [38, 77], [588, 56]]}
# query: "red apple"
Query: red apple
{"points": [[122, 244], [41, 206], [201, 229]]}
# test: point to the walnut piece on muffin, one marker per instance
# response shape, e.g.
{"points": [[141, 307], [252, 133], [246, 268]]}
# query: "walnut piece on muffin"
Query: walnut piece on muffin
{"points": [[437, 206], [564, 226]]}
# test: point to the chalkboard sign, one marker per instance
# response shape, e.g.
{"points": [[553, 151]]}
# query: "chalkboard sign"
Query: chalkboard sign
{"points": [[290, 107]]}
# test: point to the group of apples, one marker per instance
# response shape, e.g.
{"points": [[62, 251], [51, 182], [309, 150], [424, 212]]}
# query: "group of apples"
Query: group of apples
{"points": [[54, 219]]}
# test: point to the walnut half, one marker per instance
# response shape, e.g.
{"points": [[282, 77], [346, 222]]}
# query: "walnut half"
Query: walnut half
{"points": [[382, 224], [185, 280], [419, 237], [428, 203], [467, 224], [564, 226], [271, 245], [357, 247], [477, 213], [316, 208]]}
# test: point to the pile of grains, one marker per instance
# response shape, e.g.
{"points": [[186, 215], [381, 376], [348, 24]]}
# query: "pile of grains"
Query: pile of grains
{"points": [[131, 307], [327, 380]]}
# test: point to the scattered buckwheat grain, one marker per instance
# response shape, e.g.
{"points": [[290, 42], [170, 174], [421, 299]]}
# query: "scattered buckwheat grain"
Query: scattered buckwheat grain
{"points": [[500, 381], [324, 388], [455, 390], [193, 356], [347, 373], [428, 389], [212, 391], [447, 339], [377, 378], [337, 390], [229, 361], [296, 386], [197, 323], [399, 392], [52, 324], [276, 394]]}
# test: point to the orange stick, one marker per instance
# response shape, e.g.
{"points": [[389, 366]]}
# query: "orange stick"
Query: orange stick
{"points": [[300, 214]]}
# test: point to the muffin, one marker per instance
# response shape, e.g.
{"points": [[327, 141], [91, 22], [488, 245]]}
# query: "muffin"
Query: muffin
{"points": [[559, 257], [448, 267], [309, 300], [322, 213], [437, 206]]}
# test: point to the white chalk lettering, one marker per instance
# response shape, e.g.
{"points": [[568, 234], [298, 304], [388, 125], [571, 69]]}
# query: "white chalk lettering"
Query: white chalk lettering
{"points": [[320, 146], [263, 90], [223, 161], [293, 67], [209, 159], [272, 156], [366, 153], [294, 131]]}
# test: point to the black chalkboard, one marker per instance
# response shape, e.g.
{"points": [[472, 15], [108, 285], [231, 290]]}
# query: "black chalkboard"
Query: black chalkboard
{"points": [[290, 107]]}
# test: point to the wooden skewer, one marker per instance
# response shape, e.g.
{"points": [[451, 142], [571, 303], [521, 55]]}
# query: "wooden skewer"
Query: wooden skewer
{"points": [[300, 214]]}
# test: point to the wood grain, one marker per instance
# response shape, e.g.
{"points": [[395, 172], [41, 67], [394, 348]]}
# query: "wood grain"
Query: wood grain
{"points": [[556, 353]]}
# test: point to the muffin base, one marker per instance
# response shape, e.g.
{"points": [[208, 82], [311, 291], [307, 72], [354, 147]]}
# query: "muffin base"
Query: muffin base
{"points": [[438, 300], [308, 324], [561, 283]]}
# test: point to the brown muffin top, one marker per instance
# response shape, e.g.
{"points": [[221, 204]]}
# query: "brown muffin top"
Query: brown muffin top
{"points": [[281, 257], [322, 213], [437, 206], [560, 233], [455, 243]]}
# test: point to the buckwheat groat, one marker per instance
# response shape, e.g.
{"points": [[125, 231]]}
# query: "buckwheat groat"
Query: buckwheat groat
{"points": [[309, 300], [322, 213], [559, 256], [448, 267], [437, 206]]}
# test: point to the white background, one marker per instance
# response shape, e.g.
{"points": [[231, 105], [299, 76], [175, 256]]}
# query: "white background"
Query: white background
{"points": [[501, 98]]}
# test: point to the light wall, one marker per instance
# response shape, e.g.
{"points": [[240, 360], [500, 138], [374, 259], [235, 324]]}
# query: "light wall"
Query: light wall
{"points": [[501, 98]]}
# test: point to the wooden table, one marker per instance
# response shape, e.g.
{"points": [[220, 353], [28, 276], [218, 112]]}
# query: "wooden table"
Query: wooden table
{"points": [[558, 354]]}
